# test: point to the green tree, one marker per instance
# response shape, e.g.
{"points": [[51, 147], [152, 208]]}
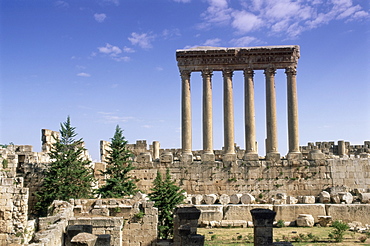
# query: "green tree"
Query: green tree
{"points": [[69, 174], [166, 196], [118, 182]]}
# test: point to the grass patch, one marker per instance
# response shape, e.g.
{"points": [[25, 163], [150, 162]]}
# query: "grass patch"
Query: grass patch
{"points": [[315, 236]]}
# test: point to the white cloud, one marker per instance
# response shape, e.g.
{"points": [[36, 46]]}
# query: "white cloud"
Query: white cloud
{"points": [[114, 52], [114, 2], [128, 49], [143, 40], [182, 1], [110, 49], [109, 117], [243, 41], [245, 21], [284, 17], [84, 75], [212, 42], [100, 17], [61, 4], [147, 126]]}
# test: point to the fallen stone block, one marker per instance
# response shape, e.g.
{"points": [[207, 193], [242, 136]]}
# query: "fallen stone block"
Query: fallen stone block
{"points": [[235, 198], [324, 197], [305, 220], [364, 197], [84, 239], [325, 221], [210, 199], [224, 199], [247, 199]]}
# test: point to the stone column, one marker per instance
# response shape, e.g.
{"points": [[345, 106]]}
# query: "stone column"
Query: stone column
{"points": [[186, 131], [228, 116], [250, 128], [208, 154], [294, 152], [155, 150], [271, 119], [263, 226]]}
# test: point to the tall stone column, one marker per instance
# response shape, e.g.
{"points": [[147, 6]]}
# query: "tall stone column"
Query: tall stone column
{"points": [[294, 152], [186, 131], [271, 119], [250, 126], [208, 154], [228, 116]]}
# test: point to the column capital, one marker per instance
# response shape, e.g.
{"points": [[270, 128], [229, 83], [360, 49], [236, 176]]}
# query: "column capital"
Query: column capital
{"points": [[207, 73], [270, 71], [185, 73], [248, 72], [291, 71], [227, 72]]}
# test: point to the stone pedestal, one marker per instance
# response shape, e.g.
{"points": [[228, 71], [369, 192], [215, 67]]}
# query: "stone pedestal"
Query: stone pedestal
{"points": [[294, 156], [187, 157], [208, 157], [251, 157], [273, 156], [185, 227], [263, 222]]}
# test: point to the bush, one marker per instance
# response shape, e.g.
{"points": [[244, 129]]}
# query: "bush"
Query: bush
{"points": [[362, 239], [280, 223], [338, 232]]}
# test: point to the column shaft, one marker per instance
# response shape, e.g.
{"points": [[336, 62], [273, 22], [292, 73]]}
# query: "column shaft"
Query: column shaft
{"points": [[271, 119], [207, 112], [228, 112], [292, 110], [250, 128], [186, 131]]}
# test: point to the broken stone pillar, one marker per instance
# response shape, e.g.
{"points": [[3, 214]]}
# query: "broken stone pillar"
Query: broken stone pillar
{"points": [[341, 148], [210, 199], [185, 227], [263, 221], [156, 147], [224, 199], [324, 197], [235, 198], [247, 199]]}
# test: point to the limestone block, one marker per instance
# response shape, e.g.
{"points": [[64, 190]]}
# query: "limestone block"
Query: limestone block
{"points": [[291, 200], [83, 239], [166, 157], [241, 211], [224, 199], [281, 196], [210, 199], [324, 197], [306, 199], [349, 212], [364, 197], [247, 199], [335, 198], [291, 212], [235, 198], [210, 212], [197, 199], [305, 220], [345, 197]]}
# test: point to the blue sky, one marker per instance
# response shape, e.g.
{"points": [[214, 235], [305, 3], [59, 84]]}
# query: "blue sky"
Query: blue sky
{"points": [[109, 62]]}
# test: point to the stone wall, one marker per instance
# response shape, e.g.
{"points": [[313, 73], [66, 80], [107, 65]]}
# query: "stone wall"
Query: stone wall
{"points": [[13, 210]]}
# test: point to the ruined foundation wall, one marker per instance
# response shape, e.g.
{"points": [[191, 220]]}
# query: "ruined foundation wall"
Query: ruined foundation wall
{"points": [[266, 178]]}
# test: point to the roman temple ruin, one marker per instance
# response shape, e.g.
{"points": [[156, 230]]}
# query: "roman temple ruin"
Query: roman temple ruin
{"points": [[209, 59]]}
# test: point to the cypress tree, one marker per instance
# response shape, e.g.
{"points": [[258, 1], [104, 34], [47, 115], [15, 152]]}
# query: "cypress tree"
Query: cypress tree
{"points": [[166, 196], [69, 174], [118, 182]]}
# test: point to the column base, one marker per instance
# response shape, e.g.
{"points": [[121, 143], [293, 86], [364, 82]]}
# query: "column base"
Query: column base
{"points": [[273, 156], [207, 157], [251, 157], [294, 156], [187, 157], [229, 157]]}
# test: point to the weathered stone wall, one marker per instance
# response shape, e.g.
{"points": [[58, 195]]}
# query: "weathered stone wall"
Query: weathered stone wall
{"points": [[13, 210], [266, 178], [129, 221]]}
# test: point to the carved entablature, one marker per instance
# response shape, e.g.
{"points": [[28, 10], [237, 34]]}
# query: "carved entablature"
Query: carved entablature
{"points": [[256, 58]]}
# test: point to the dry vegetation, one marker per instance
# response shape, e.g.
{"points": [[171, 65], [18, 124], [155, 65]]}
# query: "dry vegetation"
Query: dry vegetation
{"points": [[309, 236]]}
